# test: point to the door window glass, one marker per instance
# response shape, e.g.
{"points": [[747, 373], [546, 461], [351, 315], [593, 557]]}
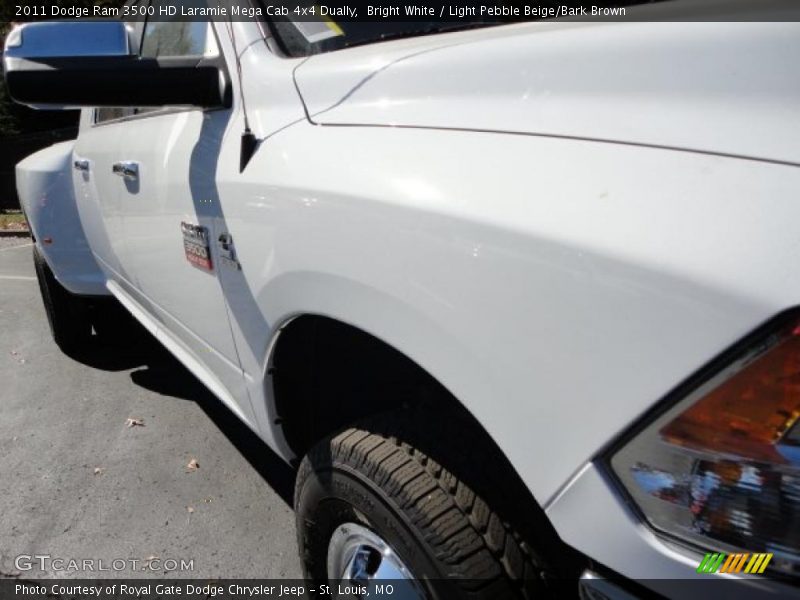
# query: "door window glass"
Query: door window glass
{"points": [[178, 38], [174, 39], [109, 114]]}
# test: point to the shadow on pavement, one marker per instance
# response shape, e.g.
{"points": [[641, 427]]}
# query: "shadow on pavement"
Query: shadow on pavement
{"points": [[161, 373]]}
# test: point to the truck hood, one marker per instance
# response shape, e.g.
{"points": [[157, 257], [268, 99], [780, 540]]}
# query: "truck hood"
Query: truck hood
{"points": [[723, 88]]}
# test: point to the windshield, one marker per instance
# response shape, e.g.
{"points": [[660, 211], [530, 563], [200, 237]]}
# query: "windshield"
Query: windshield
{"points": [[302, 27], [305, 37]]}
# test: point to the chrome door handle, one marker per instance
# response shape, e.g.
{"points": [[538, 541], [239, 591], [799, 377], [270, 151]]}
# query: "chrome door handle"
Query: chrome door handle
{"points": [[81, 164], [126, 169]]}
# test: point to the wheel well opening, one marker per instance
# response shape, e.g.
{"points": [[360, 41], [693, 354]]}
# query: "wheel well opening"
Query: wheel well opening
{"points": [[327, 374]]}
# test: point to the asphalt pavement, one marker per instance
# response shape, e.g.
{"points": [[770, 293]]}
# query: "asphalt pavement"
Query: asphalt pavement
{"points": [[78, 483]]}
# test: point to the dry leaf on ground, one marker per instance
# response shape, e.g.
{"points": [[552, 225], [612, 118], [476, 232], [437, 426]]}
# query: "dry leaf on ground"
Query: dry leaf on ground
{"points": [[133, 422], [149, 559]]}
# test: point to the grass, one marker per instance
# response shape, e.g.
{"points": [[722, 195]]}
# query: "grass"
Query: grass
{"points": [[12, 219]]}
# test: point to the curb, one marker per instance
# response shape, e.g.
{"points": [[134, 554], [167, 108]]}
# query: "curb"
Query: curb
{"points": [[4, 233]]}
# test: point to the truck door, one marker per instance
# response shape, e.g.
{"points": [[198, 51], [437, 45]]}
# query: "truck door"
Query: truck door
{"points": [[166, 177], [96, 190], [97, 148]]}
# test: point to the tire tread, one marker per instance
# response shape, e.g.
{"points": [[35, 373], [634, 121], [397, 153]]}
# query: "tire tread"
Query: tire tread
{"points": [[472, 544]]}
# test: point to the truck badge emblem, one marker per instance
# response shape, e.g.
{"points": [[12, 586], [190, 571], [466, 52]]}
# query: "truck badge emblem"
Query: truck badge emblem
{"points": [[195, 246]]}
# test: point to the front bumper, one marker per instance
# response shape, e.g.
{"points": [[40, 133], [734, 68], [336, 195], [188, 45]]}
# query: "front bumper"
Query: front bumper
{"points": [[594, 587]]}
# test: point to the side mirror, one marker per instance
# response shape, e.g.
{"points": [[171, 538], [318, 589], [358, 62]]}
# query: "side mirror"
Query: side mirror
{"points": [[91, 63]]}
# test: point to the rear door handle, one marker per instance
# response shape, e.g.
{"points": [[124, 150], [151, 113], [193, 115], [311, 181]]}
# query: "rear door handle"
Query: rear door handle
{"points": [[126, 169], [81, 164]]}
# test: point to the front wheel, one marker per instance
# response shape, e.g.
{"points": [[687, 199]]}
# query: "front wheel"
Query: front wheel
{"points": [[376, 505]]}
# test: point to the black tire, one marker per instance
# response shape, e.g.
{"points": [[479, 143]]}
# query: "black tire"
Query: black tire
{"points": [[67, 314], [434, 503]]}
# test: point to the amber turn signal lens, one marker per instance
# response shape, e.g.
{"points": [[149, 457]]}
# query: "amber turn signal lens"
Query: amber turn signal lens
{"points": [[752, 413]]}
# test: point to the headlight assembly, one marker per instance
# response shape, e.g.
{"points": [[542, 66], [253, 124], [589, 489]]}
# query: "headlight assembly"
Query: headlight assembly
{"points": [[720, 469]]}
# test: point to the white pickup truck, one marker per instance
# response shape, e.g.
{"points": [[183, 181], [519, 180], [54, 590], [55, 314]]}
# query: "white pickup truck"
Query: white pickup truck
{"points": [[520, 301]]}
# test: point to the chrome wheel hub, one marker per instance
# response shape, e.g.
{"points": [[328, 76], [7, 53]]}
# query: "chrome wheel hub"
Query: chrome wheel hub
{"points": [[361, 559]]}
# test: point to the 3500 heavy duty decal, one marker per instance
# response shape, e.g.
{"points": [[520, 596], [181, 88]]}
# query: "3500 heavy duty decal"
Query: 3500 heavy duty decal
{"points": [[195, 245]]}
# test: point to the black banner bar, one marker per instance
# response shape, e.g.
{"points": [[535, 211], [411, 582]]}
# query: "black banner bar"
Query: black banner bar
{"points": [[463, 12]]}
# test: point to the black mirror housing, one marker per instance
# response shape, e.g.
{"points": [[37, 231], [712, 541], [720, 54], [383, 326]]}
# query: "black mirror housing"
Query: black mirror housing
{"points": [[89, 64]]}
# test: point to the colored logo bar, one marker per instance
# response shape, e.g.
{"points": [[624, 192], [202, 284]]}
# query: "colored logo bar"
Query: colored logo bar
{"points": [[734, 563]]}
